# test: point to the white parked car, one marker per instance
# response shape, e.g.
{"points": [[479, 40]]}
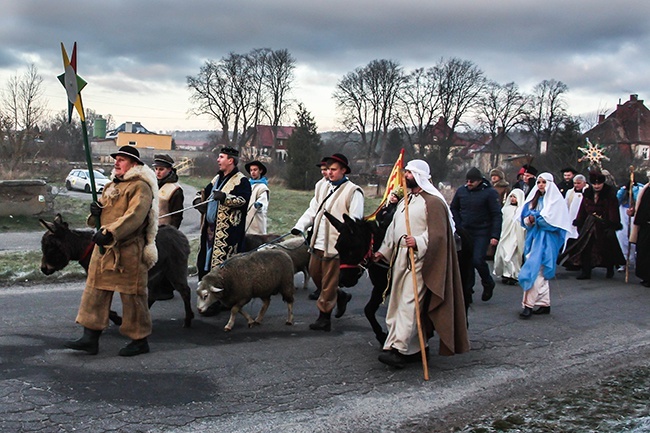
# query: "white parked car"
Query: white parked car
{"points": [[80, 180]]}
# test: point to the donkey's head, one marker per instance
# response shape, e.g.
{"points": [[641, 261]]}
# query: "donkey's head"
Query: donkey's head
{"points": [[59, 245], [354, 247]]}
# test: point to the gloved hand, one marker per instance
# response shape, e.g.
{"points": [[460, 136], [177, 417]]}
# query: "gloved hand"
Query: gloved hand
{"points": [[219, 196], [257, 205], [102, 239], [95, 209], [295, 231]]}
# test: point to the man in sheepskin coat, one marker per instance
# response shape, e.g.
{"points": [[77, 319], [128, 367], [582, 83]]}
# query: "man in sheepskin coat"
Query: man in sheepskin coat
{"points": [[124, 252]]}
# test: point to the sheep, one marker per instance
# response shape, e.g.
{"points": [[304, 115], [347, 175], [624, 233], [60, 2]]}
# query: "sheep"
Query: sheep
{"points": [[242, 277], [298, 250]]}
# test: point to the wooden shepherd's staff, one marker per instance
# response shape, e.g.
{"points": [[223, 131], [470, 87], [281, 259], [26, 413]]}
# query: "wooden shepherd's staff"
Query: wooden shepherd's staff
{"points": [[629, 223], [425, 366]]}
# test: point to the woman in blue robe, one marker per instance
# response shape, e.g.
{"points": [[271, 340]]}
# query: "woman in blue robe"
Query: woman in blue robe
{"points": [[546, 219]]}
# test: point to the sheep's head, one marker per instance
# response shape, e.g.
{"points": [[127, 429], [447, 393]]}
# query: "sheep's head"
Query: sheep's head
{"points": [[207, 294]]}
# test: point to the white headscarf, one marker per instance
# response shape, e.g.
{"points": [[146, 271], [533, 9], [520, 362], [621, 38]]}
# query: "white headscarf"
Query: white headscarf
{"points": [[554, 211], [422, 176]]}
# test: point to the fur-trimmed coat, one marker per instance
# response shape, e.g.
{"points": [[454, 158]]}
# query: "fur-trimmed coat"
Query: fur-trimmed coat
{"points": [[130, 214]]}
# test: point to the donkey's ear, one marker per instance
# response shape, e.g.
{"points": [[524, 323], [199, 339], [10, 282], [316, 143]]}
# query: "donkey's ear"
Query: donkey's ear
{"points": [[58, 221], [47, 225], [338, 225], [349, 220]]}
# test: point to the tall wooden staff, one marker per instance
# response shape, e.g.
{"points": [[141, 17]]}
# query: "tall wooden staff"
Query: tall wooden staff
{"points": [[425, 365], [73, 84], [629, 223]]}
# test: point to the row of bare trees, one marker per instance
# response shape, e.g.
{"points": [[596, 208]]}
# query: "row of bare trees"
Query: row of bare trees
{"points": [[380, 96], [241, 91]]}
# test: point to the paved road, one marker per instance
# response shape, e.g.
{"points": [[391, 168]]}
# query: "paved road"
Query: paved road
{"points": [[275, 378], [28, 241]]}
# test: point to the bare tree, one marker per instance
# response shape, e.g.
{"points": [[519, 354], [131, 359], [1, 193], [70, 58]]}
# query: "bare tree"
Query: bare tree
{"points": [[460, 84], [547, 111], [22, 109], [210, 94], [238, 90], [418, 105], [277, 81], [501, 108], [366, 99]]}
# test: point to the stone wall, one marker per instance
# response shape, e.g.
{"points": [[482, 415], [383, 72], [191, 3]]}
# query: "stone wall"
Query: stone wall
{"points": [[23, 197]]}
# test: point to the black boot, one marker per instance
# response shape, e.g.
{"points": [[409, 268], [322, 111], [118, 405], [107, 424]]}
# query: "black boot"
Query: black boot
{"points": [[314, 295], [610, 272], [585, 274], [526, 313], [89, 342], [135, 347], [323, 323], [342, 300]]}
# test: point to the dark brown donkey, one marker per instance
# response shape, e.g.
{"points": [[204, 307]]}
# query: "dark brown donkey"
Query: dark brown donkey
{"points": [[60, 245]]}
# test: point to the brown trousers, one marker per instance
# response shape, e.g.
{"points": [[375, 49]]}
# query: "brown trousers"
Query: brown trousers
{"points": [[95, 305], [325, 273]]}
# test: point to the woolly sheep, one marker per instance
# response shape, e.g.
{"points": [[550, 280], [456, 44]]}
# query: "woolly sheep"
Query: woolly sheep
{"points": [[258, 274], [299, 253]]}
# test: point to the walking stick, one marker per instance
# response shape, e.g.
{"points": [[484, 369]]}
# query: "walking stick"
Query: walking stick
{"points": [[425, 366], [629, 224]]}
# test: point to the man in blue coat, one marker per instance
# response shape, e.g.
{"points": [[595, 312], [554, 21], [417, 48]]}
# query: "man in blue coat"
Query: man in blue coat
{"points": [[476, 208]]}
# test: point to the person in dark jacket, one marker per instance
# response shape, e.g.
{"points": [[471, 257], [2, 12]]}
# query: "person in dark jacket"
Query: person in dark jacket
{"points": [[477, 210], [568, 174], [597, 221]]}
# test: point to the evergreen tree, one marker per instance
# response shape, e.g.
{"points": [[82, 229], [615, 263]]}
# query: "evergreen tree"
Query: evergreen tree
{"points": [[303, 155]]}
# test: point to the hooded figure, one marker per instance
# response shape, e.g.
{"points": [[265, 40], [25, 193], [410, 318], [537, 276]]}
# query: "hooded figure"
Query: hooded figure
{"points": [[510, 251], [436, 266], [500, 184], [546, 220], [597, 222]]}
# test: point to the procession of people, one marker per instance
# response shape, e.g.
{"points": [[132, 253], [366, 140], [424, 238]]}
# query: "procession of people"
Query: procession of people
{"points": [[531, 229]]}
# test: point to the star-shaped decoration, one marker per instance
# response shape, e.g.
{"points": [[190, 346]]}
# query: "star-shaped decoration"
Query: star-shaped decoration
{"points": [[72, 82], [594, 153]]}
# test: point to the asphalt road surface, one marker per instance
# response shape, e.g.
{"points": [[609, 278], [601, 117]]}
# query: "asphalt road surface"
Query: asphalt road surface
{"points": [[278, 378]]}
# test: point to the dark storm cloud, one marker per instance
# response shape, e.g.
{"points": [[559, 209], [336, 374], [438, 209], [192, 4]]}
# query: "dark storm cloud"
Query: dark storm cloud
{"points": [[598, 45]]}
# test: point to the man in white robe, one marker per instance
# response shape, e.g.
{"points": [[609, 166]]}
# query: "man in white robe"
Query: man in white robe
{"points": [[436, 269]]}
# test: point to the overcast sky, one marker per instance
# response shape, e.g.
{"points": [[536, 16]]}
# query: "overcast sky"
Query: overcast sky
{"points": [[136, 55]]}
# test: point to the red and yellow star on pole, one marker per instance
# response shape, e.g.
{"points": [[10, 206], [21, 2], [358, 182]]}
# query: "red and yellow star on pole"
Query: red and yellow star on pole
{"points": [[72, 82]]}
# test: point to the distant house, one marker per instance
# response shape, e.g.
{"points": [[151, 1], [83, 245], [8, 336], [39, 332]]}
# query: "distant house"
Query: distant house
{"points": [[267, 146], [627, 128], [134, 134], [499, 151], [436, 134]]}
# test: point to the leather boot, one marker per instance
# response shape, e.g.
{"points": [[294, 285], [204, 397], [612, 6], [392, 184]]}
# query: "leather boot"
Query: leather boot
{"points": [[610, 272], [342, 300], [323, 323], [135, 347], [89, 342]]}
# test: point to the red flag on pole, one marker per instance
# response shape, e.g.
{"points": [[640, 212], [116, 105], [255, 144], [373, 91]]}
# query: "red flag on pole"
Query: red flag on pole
{"points": [[394, 183]]}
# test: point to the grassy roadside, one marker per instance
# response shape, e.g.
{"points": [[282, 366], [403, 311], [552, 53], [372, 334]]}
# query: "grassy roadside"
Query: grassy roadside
{"points": [[285, 208]]}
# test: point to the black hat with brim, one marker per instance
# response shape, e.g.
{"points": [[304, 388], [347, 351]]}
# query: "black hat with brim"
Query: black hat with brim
{"points": [[129, 151], [230, 151], [163, 160], [341, 159], [257, 163]]}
